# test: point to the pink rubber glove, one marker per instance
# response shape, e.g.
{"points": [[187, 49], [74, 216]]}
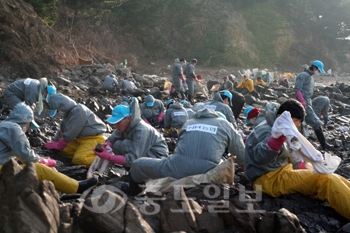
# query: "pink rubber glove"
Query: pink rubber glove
{"points": [[300, 97], [160, 117], [108, 143], [51, 145], [60, 145], [48, 162], [276, 143], [182, 78], [117, 159], [302, 165]]}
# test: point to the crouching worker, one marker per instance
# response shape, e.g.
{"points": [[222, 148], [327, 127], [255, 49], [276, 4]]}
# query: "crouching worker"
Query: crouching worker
{"points": [[110, 84], [175, 116], [14, 144], [30, 91], [80, 130], [221, 101], [133, 137], [187, 106], [152, 110], [193, 154], [321, 105], [267, 165], [251, 113]]}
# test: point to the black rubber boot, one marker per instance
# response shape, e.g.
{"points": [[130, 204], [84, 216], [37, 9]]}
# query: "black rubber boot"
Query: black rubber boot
{"points": [[322, 139], [85, 184], [183, 95], [189, 98], [131, 188]]}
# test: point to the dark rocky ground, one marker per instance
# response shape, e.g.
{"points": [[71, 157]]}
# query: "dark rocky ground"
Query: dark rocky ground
{"points": [[289, 213]]}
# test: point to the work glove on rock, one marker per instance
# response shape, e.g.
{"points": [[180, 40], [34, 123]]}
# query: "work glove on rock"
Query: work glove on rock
{"points": [[300, 97], [325, 120], [48, 162], [104, 154], [160, 117], [54, 145], [276, 143]]}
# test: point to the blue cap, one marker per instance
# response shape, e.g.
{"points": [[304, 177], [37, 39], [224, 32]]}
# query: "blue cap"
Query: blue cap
{"points": [[50, 90], [228, 94], [319, 65], [149, 100], [186, 104], [171, 101], [119, 113]]}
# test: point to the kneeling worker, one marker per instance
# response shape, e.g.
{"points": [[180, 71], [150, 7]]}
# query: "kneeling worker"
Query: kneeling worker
{"points": [[14, 143]]}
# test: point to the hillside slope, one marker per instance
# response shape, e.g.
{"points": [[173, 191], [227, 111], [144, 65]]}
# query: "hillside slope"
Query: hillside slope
{"points": [[28, 46], [265, 34]]}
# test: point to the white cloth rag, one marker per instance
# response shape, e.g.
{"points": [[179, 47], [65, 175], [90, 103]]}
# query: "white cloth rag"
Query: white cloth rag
{"points": [[40, 106], [302, 149], [100, 165]]}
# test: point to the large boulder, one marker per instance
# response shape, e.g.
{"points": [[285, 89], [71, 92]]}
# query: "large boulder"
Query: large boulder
{"points": [[27, 204], [281, 221], [103, 211], [134, 222]]}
